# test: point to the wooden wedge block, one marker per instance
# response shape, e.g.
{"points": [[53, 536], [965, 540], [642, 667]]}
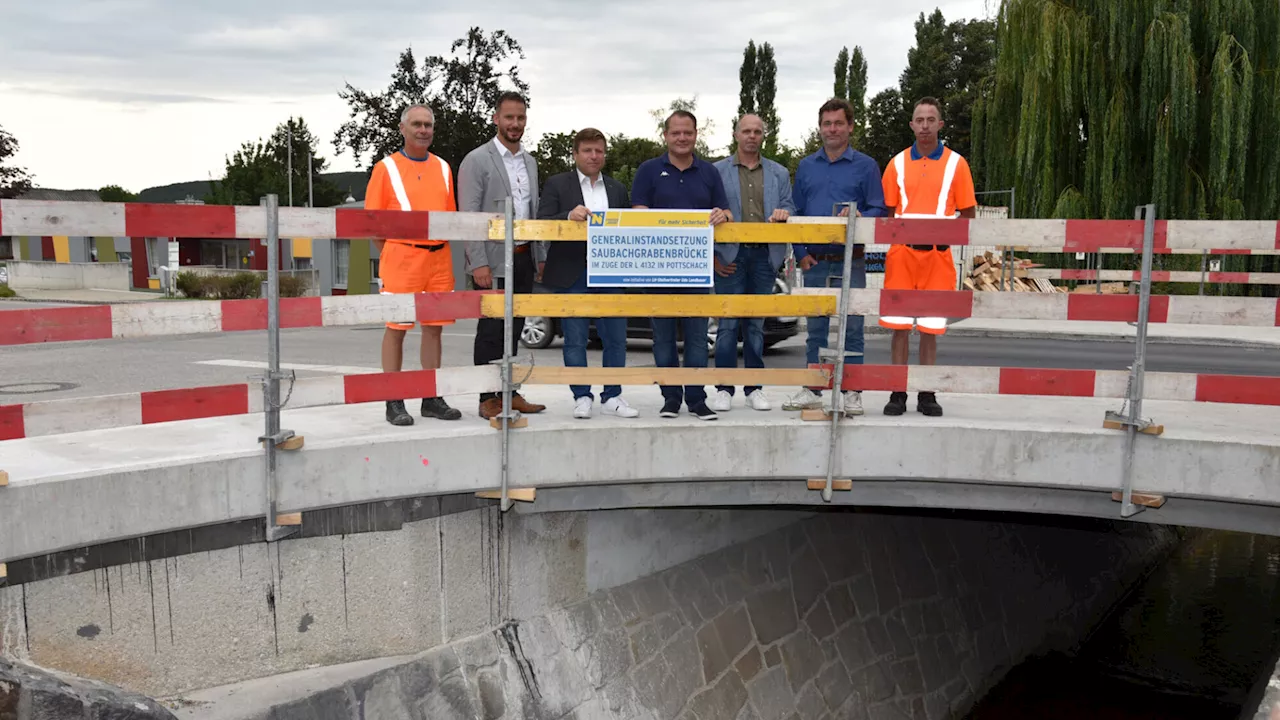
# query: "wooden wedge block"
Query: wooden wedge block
{"points": [[517, 494], [4, 571], [4, 478], [289, 519], [496, 423], [836, 483], [294, 443], [816, 415], [1149, 430], [1150, 500]]}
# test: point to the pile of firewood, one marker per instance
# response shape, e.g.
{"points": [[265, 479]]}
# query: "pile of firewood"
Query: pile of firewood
{"points": [[990, 274]]}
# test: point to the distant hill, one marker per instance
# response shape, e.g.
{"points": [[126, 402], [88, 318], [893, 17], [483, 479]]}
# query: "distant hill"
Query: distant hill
{"points": [[352, 182]]}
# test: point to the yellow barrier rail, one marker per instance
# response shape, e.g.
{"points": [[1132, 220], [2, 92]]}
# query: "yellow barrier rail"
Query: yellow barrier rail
{"points": [[805, 232], [665, 306]]}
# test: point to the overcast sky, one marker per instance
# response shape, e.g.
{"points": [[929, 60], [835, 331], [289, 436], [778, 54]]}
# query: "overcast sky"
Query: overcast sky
{"points": [[149, 92]]}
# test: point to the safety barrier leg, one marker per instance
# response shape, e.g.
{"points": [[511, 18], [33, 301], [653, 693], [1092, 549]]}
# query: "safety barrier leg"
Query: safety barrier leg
{"points": [[508, 324], [274, 436], [837, 395], [1133, 423]]}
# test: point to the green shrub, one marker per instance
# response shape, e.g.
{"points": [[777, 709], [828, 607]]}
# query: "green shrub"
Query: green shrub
{"points": [[293, 286], [240, 286], [6, 291], [192, 285]]}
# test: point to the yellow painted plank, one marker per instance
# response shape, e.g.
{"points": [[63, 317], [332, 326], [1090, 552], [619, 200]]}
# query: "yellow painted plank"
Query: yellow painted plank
{"points": [[571, 231], [153, 283], [61, 248], [550, 375], [302, 247], [594, 306]]}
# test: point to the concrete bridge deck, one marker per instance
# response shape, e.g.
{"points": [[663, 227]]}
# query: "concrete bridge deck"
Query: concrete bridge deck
{"points": [[1218, 465]]}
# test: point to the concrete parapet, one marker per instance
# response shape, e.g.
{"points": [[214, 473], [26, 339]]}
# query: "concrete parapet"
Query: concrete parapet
{"points": [[43, 275]]}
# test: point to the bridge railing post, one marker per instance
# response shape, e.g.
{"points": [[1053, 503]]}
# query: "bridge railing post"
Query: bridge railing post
{"points": [[271, 405], [508, 324]]}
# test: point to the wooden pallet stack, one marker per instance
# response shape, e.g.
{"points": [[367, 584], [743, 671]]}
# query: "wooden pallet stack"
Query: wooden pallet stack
{"points": [[989, 267]]}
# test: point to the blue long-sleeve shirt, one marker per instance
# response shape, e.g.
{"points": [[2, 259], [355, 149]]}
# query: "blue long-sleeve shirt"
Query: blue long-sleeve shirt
{"points": [[821, 183]]}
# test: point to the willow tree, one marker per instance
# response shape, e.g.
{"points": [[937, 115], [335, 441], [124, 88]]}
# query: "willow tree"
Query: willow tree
{"points": [[1096, 106]]}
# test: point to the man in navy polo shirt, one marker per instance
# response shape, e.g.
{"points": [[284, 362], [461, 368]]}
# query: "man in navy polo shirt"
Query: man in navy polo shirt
{"points": [[680, 180], [834, 174]]}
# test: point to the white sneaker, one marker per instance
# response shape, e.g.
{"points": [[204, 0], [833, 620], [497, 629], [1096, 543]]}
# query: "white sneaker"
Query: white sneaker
{"points": [[582, 407], [722, 401], [758, 401], [619, 407], [803, 400], [852, 403]]}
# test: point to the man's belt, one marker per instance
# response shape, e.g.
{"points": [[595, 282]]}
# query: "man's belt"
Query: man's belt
{"points": [[429, 248], [925, 248], [858, 252]]}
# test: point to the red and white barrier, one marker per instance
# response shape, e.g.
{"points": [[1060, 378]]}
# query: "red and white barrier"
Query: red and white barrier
{"points": [[1180, 276], [1184, 387], [19, 327], [39, 218], [960, 304], [55, 417], [153, 319]]}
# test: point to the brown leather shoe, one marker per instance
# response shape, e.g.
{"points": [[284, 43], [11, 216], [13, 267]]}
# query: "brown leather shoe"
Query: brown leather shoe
{"points": [[491, 408], [521, 405]]}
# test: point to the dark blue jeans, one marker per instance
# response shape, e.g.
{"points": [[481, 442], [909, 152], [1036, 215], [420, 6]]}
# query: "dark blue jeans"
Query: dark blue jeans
{"points": [[753, 275], [612, 332], [827, 274], [665, 353]]}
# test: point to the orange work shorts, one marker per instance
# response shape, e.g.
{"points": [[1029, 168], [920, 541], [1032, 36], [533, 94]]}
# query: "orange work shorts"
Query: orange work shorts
{"points": [[407, 269], [906, 268]]}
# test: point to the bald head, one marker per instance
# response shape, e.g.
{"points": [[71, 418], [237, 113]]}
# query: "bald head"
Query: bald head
{"points": [[749, 133]]}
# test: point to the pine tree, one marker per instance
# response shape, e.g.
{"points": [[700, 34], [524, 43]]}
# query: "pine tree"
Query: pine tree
{"points": [[857, 93], [766, 94], [842, 74], [747, 80]]}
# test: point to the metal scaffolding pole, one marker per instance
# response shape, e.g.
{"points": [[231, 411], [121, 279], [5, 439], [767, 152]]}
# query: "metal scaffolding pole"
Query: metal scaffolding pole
{"points": [[837, 395], [271, 380]]}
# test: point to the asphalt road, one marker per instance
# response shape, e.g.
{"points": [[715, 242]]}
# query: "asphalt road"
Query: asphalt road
{"points": [[66, 370]]}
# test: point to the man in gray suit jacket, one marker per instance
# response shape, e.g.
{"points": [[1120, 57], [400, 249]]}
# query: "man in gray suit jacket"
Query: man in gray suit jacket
{"points": [[759, 190], [488, 175]]}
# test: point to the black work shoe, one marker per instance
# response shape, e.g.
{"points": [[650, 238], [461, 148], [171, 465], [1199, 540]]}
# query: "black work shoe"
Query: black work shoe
{"points": [[897, 404], [927, 403], [397, 415], [670, 409], [702, 412], [437, 408]]}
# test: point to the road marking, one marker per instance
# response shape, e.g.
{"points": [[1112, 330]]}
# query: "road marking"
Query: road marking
{"points": [[258, 365]]}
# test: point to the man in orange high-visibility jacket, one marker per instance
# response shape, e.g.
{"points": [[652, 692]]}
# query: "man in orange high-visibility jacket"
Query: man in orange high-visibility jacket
{"points": [[414, 179], [926, 180]]}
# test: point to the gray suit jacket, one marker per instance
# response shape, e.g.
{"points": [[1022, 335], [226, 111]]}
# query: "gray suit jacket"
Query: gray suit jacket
{"points": [[482, 187], [777, 194]]}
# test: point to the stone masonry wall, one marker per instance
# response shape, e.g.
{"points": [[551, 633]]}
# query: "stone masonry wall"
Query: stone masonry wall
{"points": [[845, 615]]}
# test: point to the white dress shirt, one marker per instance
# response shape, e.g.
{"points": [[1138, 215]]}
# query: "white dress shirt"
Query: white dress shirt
{"points": [[595, 197], [518, 178]]}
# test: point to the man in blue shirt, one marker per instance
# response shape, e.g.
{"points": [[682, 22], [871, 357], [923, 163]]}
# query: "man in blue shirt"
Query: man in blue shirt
{"points": [[680, 180], [835, 174]]}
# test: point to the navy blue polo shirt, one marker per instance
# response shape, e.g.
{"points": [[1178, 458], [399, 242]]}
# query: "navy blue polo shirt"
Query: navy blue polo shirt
{"points": [[662, 186]]}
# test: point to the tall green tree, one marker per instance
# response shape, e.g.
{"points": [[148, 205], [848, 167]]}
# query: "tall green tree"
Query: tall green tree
{"points": [[885, 118], [461, 89], [766, 96], [758, 91], [857, 93], [1100, 106], [261, 168], [14, 181], [841, 88]]}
